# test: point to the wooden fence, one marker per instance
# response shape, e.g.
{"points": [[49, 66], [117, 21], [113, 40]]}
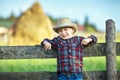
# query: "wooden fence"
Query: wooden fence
{"points": [[33, 52]]}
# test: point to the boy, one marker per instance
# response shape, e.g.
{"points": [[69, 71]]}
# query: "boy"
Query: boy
{"points": [[69, 49]]}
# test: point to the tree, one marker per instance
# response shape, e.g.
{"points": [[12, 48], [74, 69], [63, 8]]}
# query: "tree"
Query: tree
{"points": [[89, 27], [12, 17]]}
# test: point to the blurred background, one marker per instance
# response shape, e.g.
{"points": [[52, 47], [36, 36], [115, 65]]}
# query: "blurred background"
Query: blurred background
{"points": [[24, 22]]}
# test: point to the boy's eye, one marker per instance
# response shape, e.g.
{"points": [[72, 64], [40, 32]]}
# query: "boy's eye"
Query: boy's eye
{"points": [[59, 30], [65, 29]]}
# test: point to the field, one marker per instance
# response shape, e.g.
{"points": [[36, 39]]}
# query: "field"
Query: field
{"points": [[100, 36], [34, 65]]}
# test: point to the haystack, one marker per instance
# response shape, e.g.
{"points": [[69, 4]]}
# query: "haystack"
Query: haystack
{"points": [[32, 27]]}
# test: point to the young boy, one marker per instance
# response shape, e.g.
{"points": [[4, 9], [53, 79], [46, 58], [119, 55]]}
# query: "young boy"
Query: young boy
{"points": [[69, 49]]}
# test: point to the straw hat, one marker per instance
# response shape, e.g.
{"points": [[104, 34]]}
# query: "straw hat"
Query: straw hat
{"points": [[65, 23]]}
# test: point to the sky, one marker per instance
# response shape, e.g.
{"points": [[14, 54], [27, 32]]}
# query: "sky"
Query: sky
{"points": [[98, 11]]}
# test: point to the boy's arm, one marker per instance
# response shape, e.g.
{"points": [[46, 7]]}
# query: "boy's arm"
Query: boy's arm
{"points": [[94, 39], [44, 41], [89, 41], [48, 44]]}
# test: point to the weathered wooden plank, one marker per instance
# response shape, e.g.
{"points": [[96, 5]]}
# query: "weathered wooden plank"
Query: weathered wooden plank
{"points": [[28, 76], [24, 52], [110, 50], [30, 52], [87, 75]]}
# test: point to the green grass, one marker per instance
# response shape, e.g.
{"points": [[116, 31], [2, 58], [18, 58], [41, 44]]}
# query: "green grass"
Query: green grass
{"points": [[94, 64], [24, 65], [34, 65]]}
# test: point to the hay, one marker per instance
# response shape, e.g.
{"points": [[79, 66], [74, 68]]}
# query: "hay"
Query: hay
{"points": [[32, 27]]}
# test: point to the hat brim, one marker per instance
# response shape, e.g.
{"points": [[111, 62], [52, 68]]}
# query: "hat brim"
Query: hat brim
{"points": [[74, 26]]}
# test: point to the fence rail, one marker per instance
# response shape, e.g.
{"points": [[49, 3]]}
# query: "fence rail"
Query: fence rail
{"points": [[87, 75], [31, 52]]}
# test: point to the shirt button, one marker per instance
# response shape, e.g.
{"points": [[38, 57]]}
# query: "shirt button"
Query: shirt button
{"points": [[69, 50]]}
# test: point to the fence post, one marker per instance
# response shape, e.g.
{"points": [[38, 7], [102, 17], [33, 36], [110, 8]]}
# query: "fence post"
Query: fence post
{"points": [[110, 50]]}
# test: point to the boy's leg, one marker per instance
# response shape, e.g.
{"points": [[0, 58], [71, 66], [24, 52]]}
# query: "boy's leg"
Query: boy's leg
{"points": [[78, 76], [62, 76], [75, 76]]}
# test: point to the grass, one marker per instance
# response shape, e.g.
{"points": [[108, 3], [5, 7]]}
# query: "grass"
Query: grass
{"points": [[25, 65], [34, 65]]}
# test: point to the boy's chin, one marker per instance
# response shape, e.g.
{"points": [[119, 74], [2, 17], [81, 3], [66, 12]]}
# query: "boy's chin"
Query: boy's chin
{"points": [[65, 37]]}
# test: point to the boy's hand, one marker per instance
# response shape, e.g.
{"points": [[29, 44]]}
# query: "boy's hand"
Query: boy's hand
{"points": [[86, 41], [47, 45]]}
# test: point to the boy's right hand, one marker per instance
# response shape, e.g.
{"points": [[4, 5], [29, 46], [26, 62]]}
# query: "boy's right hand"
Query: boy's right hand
{"points": [[47, 45]]}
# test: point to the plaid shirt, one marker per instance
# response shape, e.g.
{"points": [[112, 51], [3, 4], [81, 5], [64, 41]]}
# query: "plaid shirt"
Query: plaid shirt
{"points": [[70, 53]]}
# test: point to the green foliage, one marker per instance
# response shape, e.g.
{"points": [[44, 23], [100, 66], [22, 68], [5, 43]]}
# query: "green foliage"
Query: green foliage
{"points": [[88, 26], [6, 23], [53, 20], [12, 17]]}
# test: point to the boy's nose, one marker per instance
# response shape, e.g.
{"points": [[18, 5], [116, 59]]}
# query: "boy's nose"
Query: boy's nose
{"points": [[63, 31]]}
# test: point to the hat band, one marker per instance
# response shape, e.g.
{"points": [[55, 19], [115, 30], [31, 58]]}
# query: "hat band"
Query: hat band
{"points": [[66, 24]]}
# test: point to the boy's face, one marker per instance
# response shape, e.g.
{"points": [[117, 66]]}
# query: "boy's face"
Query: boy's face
{"points": [[66, 33]]}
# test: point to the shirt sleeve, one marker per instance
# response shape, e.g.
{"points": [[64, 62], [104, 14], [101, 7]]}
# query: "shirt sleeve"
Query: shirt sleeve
{"points": [[52, 41], [94, 40]]}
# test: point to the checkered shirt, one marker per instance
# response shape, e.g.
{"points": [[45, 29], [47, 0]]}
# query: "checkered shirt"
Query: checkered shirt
{"points": [[69, 53]]}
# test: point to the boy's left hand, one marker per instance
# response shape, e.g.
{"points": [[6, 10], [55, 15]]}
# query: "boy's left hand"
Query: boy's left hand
{"points": [[86, 41]]}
